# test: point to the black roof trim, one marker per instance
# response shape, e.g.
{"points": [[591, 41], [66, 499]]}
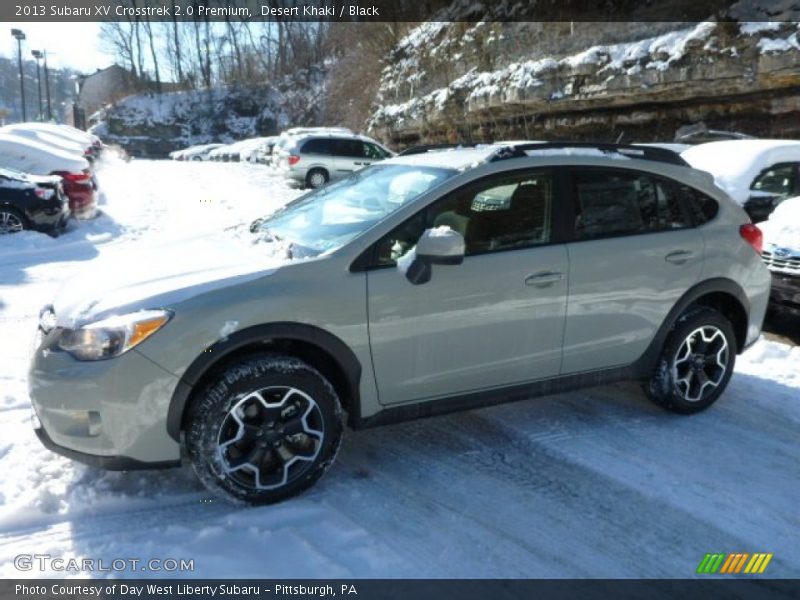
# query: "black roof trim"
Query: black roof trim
{"points": [[631, 151], [423, 148]]}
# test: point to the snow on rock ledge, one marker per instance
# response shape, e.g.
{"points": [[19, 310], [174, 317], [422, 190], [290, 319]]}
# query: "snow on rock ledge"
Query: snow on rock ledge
{"points": [[698, 60]]}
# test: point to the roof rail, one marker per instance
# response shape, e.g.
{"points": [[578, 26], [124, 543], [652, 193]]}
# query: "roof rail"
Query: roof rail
{"points": [[631, 151], [423, 148]]}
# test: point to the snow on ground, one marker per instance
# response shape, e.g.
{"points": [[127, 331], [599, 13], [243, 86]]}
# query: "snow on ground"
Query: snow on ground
{"points": [[596, 483]]}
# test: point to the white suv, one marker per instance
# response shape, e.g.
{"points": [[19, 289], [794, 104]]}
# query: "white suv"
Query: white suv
{"points": [[315, 159]]}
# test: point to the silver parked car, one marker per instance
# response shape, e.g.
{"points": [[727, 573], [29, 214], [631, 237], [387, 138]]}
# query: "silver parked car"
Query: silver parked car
{"points": [[424, 284], [317, 158]]}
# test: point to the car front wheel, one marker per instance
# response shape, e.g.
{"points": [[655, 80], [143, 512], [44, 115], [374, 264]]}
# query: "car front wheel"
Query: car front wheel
{"points": [[696, 363], [264, 430]]}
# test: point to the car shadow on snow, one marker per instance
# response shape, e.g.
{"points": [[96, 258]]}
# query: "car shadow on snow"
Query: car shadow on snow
{"points": [[77, 243], [438, 479]]}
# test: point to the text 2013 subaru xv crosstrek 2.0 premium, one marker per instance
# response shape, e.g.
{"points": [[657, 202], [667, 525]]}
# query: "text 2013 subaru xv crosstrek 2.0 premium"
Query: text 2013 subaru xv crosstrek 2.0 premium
{"points": [[425, 284]]}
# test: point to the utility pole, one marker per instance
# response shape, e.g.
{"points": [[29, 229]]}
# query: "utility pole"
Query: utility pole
{"points": [[19, 35], [37, 54], [47, 88]]}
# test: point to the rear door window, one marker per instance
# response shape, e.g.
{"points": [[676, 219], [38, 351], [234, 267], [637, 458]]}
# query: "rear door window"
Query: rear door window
{"points": [[612, 203]]}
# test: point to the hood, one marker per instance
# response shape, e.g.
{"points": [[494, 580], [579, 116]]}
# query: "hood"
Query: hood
{"points": [[782, 229], [162, 276]]}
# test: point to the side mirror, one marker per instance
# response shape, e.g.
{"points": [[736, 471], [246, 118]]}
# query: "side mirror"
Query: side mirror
{"points": [[438, 246]]}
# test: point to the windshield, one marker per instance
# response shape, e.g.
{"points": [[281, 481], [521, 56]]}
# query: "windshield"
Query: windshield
{"points": [[331, 216]]}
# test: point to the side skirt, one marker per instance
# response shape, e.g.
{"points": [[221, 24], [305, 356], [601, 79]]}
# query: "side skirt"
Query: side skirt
{"points": [[514, 393]]}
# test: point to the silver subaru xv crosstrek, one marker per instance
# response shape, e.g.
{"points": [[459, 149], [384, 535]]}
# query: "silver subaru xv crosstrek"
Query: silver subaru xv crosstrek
{"points": [[426, 284]]}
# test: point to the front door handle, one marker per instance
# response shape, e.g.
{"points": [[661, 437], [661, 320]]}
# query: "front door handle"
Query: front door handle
{"points": [[356, 163], [544, 278], [679, 257]]}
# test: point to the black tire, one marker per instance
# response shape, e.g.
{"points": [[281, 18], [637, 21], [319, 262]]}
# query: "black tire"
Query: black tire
{"points": [[690, 375], [11, 217], [288, 463], [316, 178]]}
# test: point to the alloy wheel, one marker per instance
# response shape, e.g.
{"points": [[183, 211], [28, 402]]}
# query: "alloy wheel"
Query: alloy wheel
{"points": [[317, 179], [700, 363], [10, 223], [270, 437]]}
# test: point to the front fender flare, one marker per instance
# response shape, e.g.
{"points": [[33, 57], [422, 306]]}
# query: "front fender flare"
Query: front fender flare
{"points": [[300, 332]]}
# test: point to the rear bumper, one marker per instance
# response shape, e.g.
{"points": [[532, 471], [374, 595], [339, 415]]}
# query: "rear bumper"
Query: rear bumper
{"points": [[49, 217], [785, 292], [82, 200]]}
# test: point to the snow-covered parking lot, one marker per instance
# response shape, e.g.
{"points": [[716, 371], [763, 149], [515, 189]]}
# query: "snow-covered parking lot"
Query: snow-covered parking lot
{"points": [[597, 483]]}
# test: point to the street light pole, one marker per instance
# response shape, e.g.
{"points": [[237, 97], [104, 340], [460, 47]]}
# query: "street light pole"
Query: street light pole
{"points": [[19, 35], [38, 56], [47, 88]]}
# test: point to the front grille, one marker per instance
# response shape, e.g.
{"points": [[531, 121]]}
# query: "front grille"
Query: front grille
{"points": [[784, 264]]}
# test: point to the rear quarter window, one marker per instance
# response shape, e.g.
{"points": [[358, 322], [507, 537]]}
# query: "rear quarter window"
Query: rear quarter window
{"points": [[701, 208]]}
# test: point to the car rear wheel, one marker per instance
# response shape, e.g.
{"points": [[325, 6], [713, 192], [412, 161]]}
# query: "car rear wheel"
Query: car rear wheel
{"points": [[696, 363], [264, 430], [11, 221], [316, 178]]}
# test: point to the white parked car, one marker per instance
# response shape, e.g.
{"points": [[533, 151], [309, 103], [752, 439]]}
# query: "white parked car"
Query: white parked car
{"points": [[758, 174], [315, 159], [37, 158], [46, 138], [85, 139], [782, 254], [286, 136], [199, 152]]}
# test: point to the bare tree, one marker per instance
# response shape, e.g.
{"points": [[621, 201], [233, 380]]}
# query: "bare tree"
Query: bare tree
{"points": [[153, 54]]}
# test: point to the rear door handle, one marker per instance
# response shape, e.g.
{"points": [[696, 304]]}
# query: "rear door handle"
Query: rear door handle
{"points": [[356, 163], [543, 279], [679, 256]]}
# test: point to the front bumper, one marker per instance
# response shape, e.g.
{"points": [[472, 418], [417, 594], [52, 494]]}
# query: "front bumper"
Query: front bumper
{"points": [[109, 412], [109, 463]]}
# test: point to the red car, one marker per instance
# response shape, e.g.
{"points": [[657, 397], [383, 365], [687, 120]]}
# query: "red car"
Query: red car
{"points": [[81, 189]]}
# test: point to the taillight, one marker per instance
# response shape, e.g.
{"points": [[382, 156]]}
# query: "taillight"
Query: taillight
{"points": [[753, 236], [39, 192], [293, 159]]}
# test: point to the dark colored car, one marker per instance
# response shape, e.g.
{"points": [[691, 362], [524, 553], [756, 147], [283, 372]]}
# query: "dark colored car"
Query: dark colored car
{"points": [[31, 202]]}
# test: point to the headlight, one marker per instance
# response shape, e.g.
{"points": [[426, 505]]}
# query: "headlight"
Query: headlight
{"points": [[111, 337]]}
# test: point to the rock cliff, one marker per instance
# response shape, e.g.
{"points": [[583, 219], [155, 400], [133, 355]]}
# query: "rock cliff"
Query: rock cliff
{"points": [[601, 81]]}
